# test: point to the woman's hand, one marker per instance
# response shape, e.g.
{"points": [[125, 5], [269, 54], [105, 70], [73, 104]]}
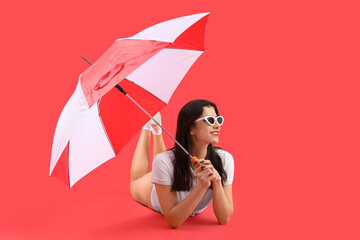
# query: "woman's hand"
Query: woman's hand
{"points": [[206, 173], [177, 212]]}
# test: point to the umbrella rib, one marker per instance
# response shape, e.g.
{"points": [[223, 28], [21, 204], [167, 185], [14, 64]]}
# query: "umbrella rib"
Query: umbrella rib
{"points": [[184, 49], [68, 158], [112, 147]]}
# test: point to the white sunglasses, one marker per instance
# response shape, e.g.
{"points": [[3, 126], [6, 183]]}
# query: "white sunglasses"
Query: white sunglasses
{"points": [[211, 120]]}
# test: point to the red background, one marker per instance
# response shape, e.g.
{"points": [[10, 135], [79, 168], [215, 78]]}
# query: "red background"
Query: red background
{"points": [[285, 74]]}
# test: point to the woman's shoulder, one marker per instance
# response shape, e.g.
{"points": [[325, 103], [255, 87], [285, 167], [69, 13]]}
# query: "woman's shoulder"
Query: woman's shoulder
{"points": [[163, 168], [166, 154], [165, 157], [223, 154], [228, 164]]}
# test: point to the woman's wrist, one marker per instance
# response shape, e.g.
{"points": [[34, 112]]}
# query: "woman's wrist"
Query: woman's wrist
{"points": [[217, 183], [203, 184]]}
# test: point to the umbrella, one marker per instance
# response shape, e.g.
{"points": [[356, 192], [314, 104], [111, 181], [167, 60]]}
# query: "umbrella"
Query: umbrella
{"points": [[98, 120]]}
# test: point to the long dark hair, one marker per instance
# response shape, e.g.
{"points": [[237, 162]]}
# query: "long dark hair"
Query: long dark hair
{"points": [[186, 120]]}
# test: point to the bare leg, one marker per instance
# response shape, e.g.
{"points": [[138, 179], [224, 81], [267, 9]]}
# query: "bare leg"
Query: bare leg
{"points": [[140, 162], [159, 145], [140, 185]]}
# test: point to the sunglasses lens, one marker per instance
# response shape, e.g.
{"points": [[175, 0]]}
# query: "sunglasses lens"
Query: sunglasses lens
{"points": [[220, 120], [211, 120]]}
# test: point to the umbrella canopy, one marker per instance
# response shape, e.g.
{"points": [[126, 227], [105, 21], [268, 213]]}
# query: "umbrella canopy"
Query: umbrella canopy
{"points": [[98, 120]]}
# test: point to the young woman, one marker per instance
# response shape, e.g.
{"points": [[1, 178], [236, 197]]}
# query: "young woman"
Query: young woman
{"points": [[174, 187]]}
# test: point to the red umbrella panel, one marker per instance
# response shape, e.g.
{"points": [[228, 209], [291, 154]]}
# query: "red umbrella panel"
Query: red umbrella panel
{"points": [[98, 120]]}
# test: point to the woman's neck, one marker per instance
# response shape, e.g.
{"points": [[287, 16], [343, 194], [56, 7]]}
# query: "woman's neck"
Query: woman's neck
{"points": [[199, 150]]}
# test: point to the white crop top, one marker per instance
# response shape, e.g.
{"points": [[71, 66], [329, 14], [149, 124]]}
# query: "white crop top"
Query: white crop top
{"points": [[163, 173]]}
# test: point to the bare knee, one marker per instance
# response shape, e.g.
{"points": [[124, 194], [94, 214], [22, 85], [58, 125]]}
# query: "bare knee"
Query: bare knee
{"points": [[140, 198], [133, 190], [140, 190]]}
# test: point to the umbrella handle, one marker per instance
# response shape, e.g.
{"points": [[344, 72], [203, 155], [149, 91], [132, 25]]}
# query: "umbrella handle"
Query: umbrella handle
{"points": [[195, 161]]}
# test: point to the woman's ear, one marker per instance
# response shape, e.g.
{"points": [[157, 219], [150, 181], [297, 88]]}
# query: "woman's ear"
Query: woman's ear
{"points": [[191, 131]]}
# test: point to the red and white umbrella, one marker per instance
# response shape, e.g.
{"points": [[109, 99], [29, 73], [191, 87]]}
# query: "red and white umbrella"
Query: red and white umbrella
{"points": [[98, 120]]}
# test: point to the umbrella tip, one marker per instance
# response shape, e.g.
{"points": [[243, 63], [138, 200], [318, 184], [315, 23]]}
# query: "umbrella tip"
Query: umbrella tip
{"points": [[86, 60]]}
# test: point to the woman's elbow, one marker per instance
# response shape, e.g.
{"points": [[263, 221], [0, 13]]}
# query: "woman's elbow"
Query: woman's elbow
{"points": [[225, 218], [173, 223], [223, 221], [174, 226]]}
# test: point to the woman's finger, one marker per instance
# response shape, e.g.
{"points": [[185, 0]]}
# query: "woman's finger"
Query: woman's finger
{"points": [[199, 162], [203, 172], [203, 162], [206, 162]]}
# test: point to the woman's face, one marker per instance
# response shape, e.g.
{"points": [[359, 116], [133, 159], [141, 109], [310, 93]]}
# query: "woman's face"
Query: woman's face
{"points": [[204, 133]]}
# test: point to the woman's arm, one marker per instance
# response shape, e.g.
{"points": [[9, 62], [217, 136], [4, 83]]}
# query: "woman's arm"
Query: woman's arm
{"points": [[222, 196], [176, 213], [222, 202]]}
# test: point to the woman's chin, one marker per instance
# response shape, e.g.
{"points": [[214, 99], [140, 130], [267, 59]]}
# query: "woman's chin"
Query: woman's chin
{"points": [[214, 140]]}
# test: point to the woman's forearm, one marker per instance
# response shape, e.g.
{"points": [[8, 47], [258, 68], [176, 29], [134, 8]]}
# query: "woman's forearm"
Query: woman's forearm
{"points": [[181, 211], [222, 206]]}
